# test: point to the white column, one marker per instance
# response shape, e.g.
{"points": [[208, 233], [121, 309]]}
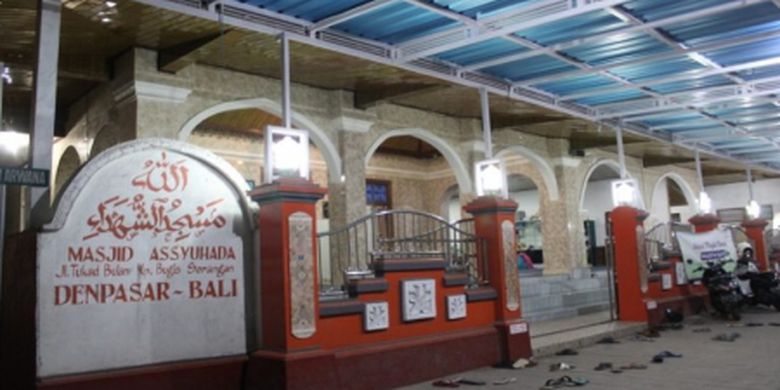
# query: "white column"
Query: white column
{"points": [[44, 102]]}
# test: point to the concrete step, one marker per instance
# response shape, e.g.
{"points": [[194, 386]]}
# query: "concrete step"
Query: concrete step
{"points": [[569, 299], [564, 312]]}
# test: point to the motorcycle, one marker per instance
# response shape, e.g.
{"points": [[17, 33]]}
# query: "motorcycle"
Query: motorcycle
{"points": [[722, 288], [757, 288]]}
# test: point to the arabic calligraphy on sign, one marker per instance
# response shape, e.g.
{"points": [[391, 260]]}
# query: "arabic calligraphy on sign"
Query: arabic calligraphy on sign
{"points": [[125, 217], [162, 175]]}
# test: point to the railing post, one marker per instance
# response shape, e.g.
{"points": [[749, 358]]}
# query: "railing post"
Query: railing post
{"points": [[494, 220]]}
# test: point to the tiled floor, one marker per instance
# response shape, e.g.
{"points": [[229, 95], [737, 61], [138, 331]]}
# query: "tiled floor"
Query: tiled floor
{"points": [[750, 362]]}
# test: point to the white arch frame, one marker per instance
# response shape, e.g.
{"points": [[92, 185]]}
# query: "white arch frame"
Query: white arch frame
{"points": [[317, 135], [616, 167], [690, 195], [544, 167], [456, 164]]}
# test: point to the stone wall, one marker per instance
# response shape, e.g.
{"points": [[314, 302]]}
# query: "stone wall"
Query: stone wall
{"points": [[143, 102]]}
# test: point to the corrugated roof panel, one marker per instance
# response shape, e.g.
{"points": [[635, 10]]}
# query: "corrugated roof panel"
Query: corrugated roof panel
{"points": [[640, 72], [760, 73], [674, 117], [595, 22], [698, 126], [396, 23], [574, 84], [750, 20], [307, 10], [685, 85], [746, 53], [483, 51], [613, 97], [529, 68], [619, 47], [754, 110], [650, 10], [482, 8]]}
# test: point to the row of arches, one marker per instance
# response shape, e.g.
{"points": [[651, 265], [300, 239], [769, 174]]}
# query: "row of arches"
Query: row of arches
{"points": [[543, 180]]}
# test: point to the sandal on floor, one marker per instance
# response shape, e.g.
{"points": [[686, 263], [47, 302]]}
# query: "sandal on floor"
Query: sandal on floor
{"points": [[445, 383], [551, 384], [567, 352], [472, 382], [603, 366], [561, 366], [504, 381], [573, 382]]}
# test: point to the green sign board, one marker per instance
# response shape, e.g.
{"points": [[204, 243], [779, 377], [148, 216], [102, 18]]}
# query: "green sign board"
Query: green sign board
{"points": [[24, 177]]}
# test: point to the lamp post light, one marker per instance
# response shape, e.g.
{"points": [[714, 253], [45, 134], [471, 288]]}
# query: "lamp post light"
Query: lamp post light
{"points": [[286, 153], [491, 178], [753, 209]]}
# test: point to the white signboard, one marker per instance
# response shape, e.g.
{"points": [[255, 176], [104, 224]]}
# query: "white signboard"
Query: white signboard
{"points": [[145, 265], [699, 248]]}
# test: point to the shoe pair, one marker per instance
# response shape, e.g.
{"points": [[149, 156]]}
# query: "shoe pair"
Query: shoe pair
{"points": [[566, 381]]}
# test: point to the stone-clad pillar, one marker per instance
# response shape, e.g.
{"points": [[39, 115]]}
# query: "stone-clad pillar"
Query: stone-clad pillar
{"points": [[347, 197]]}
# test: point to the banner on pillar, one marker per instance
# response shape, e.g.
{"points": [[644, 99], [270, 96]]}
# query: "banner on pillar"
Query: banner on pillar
{"points": [[699, 248]]}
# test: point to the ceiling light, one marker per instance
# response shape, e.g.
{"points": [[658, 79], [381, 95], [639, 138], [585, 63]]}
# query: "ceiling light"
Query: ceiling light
{"points": [[110, 4], [106, 20], [6, 75]]}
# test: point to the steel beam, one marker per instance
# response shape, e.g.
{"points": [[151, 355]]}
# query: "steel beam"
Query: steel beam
{"points": [[44, 103], [347, 15]]}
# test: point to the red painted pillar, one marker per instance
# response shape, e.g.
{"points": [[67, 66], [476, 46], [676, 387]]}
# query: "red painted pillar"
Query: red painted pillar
{"points": [[755, 231], [494, 220], [703, 223], [289, 293], [627, 228]]}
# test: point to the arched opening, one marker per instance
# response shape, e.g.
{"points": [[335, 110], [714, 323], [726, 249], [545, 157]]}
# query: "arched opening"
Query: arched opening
{"points": [[528, 220], [406, 172], [68, 165], [595, 202], [104, 139], [672, 200], [238, 137]]}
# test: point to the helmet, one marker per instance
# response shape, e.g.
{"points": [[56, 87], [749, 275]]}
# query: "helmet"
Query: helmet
{"points": [[742, 247]]}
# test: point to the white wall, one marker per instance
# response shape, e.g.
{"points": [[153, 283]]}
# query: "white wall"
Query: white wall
{"points": [[597, 201], [767, 192], [659, 208], [527, 201]]}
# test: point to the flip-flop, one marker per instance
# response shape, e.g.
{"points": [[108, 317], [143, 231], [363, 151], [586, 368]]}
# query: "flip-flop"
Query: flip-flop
{"points": [[754, 324], [561, 366], [668, 354], [603, 366], [573, 382], [551, 384], [723, 337], [472, 382], [657, 359], [445, 383], [521, 363], [616, 371], [774, 324], [504, 381], [608, 340], [567, 352]]}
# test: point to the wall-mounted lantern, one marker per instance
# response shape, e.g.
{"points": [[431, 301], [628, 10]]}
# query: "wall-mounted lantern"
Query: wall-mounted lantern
{"points": [[491, 178], [286, 153]]}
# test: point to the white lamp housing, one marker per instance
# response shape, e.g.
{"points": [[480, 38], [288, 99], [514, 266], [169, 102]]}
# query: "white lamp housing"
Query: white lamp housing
{"points": [[491, 178], [753, 209], [286, 153], [705, 203], [624, 193]]}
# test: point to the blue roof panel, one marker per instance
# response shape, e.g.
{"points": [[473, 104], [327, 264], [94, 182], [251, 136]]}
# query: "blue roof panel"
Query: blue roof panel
{"points": [[483, 51], [746, 53], [595, 22], [758, 18], [575, 84], [674, 117], [614, 97], [645, 71], [650, 10], [311, 11], [529, 68], [396, 23], [760, 73], [618, 48], [692, 84], [478, 9]]}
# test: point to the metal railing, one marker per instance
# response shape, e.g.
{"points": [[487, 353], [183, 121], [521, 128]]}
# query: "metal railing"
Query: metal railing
{"points": [[351, 251], [738, 234], [661, 241]]}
